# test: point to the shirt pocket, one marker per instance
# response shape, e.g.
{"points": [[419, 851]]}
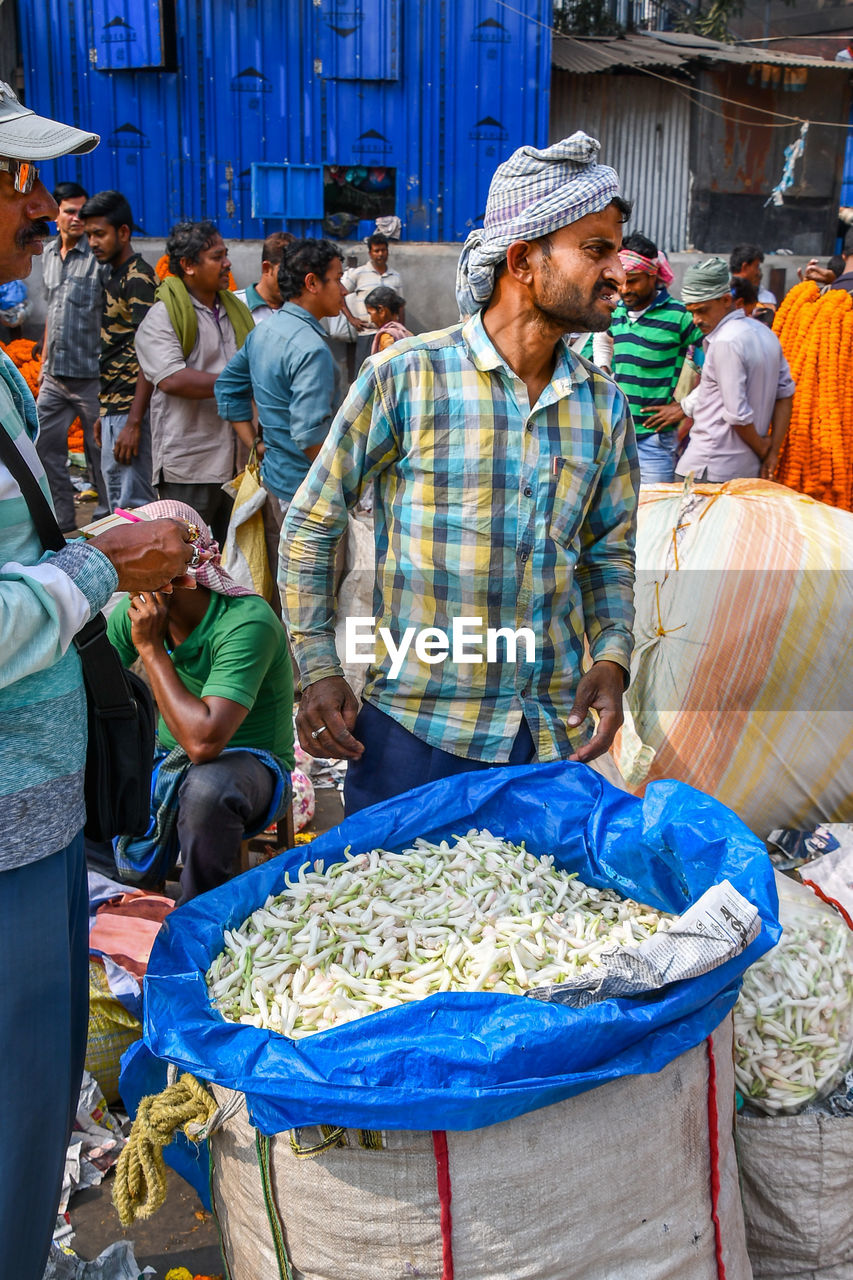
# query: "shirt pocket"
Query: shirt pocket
{"points": [[573, 492]]}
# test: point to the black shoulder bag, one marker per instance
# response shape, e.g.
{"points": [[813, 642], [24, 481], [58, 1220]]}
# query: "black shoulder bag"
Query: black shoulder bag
{"points": [[121, 710]]}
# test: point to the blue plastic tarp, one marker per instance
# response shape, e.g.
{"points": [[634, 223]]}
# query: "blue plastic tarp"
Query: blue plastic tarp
{"points": [[458, 1060]]}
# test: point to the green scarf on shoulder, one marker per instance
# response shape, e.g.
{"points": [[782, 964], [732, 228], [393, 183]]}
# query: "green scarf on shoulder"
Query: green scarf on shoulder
{"points": [[174, 295]]}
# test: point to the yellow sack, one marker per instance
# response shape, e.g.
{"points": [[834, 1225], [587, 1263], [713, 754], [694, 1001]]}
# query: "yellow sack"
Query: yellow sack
{"points": [[111, 1030], [245, 553]]}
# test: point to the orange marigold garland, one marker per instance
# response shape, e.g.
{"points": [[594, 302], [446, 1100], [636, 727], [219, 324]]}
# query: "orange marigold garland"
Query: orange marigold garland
{"points": [[816, 333]]}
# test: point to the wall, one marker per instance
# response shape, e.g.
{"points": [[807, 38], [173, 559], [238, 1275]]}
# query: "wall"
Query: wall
{"points": [[439, 91], [428, 272], [736, 165], [644, 131]]}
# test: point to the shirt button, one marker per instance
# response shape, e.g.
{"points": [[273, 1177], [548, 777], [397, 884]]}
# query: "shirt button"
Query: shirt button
{"points": [[528, 492], [522, 555], [530, 426]]}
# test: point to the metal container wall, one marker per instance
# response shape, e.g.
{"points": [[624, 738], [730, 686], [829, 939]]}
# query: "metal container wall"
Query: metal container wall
{"points": [[439, 90], [648, 145]]}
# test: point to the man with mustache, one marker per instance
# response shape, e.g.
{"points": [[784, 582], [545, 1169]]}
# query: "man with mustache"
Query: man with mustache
{"points": [[69, 378], [45, 599], [183, 344], [504, 473]]}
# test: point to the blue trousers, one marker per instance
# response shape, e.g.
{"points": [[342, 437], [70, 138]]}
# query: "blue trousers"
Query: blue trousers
{"points": [[44, 1011], [395, 760], [128, 484], [656, 453]]}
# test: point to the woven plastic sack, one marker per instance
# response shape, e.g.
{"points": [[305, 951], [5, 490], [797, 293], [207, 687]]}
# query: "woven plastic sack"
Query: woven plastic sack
{"points": [[802, 991], [461, 1060], [548, 1196], [740, 680], [797, 1183], [112, 1029]]}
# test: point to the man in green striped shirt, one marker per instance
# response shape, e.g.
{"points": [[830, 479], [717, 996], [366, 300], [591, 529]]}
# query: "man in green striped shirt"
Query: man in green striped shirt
{"points": [[651, 334]]}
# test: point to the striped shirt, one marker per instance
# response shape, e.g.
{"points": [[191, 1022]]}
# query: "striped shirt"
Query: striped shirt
{"points": [[649, 352], [44, 601], [75, 293], [484, 509]]}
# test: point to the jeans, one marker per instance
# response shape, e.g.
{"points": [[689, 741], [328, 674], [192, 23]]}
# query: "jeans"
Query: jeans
{"points": [[217, 802], [394, 760], [128, 484], [656, 453], [44, 1014], [60, 401], [209, 500]]}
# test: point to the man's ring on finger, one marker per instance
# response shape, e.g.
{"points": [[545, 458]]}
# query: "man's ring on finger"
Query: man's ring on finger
{"points": [[193, 532], [315, 733], [195, 559]]}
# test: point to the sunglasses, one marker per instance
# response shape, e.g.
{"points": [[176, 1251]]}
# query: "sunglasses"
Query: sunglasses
{"points": [[23, 173]]}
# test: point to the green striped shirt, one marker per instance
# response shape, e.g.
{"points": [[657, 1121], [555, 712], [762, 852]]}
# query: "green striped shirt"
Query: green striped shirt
{"points": [[649, 352]]}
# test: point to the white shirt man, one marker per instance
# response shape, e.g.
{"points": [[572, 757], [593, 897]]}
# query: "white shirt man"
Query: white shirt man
{"points": [[746, 386]]}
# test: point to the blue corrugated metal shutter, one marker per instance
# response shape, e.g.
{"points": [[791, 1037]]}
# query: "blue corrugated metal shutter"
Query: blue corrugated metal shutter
{"points": [[293, 192], [359, 40], [847, 177], [129, 34]]}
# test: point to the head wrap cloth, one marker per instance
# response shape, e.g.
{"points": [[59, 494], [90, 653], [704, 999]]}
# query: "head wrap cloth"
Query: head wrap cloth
{"points": [[658, 266], [707, 280], [209, 572], [534, 192]]}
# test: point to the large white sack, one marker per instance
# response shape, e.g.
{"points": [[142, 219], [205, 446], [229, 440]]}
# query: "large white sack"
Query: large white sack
{"points": [[621, 1183], [797, 1177], [740, 680]]}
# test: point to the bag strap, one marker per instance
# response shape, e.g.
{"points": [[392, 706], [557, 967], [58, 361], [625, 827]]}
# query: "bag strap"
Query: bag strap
{"points": [[101, 665], [44, 520]]}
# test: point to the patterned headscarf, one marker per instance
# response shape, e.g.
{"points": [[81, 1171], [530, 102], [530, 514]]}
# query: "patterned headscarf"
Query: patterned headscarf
{"points": [[709, 280], [209, 573], [658, 266], [533, 193]]}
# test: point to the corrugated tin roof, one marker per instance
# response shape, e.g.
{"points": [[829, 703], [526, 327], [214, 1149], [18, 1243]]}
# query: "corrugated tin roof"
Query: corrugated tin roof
{"points": [[586, 55]]}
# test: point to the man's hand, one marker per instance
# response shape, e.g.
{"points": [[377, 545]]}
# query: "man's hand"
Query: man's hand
{"points": [[813, 271], [149, 555], [96, 432], [770, 463], [149, 620], [601, 690], [664, 415], [127, 443], [329, 702]]}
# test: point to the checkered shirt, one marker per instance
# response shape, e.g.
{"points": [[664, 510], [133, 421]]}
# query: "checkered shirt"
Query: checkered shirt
{"points": [[483, 509]]}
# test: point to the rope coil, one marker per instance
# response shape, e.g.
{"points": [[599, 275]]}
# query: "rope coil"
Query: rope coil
{"points": [[140, 1182]]}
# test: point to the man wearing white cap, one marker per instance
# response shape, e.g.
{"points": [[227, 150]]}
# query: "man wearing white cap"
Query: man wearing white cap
{"points": [[742, 406], [504, 474], [45, 599]]}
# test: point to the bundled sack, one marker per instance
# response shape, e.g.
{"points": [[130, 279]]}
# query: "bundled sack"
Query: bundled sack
{"points": [[475, 1056], [532, 1198], [112, 1030], [794, 1018], [744, 637], [797, 1185], [123, 924]]}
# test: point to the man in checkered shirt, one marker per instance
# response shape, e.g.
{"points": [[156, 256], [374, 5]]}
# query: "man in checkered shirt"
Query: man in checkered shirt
{"points": [[504, 474]]}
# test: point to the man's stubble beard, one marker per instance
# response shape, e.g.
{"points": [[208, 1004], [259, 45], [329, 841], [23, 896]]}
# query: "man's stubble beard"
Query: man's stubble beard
{"points": [[566, 308]]}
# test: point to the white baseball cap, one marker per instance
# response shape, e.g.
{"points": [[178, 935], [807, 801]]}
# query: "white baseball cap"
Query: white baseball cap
{"points": [[26, 136]]}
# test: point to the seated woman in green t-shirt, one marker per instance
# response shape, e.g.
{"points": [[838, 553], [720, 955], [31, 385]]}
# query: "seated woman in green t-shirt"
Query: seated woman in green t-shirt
{"points": [[219, 668]]}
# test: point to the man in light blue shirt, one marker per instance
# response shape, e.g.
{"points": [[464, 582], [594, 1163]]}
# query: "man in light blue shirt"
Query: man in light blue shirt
{"points": [[287, 367]]}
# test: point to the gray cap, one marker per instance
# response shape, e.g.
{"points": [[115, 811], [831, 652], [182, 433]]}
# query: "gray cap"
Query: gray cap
{"points": [[26, 136]]}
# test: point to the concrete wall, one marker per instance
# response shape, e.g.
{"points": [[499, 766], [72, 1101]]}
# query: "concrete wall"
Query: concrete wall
{"points": [[428, 272]]}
